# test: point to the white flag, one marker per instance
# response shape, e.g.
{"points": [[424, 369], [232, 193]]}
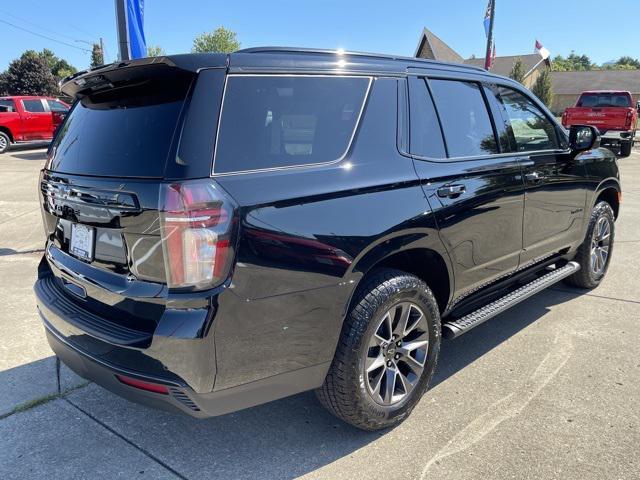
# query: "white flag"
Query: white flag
{"points": [[540, 50]]}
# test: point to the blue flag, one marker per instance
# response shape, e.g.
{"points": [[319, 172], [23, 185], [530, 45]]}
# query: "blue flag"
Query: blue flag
{"points": [[135, 28], [487, 18], [130, 20]]}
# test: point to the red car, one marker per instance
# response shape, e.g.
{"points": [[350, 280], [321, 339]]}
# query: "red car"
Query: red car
{"points": [[29, 119], [612, 112]]}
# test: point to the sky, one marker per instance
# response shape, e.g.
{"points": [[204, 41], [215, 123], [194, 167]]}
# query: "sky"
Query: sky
{"points": [[382, 26]]}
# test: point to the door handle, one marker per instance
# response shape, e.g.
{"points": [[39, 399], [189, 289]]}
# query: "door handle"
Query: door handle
{"points": [[533, 177], [451, 191]]}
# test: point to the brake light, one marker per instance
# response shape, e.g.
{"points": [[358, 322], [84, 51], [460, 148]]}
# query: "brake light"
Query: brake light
{"points": [[197, 233], [629, 118], [564, 118]]}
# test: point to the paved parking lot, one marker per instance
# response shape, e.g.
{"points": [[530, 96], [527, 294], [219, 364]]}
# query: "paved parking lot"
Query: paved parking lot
{"points": [[547, 390]]}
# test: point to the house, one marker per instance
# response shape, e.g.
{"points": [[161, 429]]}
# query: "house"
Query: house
{"points": [[433, 47], [567, 86]]}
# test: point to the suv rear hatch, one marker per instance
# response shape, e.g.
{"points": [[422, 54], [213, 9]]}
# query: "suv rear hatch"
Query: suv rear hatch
{"points": [[114, 166]]}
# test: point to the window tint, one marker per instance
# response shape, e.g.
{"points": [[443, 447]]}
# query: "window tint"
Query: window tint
{"points": [[279, 121], [531, 128], [56, 106], [604, 100], [123, 132], [426, 136], [465, 120], [8, 105], [33, 105]]}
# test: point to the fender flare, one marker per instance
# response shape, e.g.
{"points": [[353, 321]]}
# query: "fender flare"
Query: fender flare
{"points": [[406, 240]]}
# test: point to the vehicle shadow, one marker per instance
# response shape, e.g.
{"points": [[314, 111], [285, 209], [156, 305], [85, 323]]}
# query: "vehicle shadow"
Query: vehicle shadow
{"points": [[286, 438], [20, 153], [292, 436]]}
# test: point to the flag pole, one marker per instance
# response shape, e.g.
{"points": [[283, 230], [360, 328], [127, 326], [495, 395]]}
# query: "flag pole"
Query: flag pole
{"points": [[487, 58], [121, 28], [534, 67]]}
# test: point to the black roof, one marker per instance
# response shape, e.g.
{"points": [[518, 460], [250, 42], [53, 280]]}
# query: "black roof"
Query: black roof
{"points": [[262, 59]]}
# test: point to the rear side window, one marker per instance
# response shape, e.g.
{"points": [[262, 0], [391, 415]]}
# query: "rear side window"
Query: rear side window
{"points": [[125, 132], [465, 120], [33, 106], [7, 105], [425, 136], [56, 106], [283, 121], [604, 100]]}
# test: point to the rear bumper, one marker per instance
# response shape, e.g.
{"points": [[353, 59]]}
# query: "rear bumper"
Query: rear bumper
{"points": [[160, 363], [617, 135], [81, 362]]}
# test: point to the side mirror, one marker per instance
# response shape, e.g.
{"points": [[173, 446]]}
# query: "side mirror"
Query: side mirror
{"points": [[583, 138], [638, 106]]}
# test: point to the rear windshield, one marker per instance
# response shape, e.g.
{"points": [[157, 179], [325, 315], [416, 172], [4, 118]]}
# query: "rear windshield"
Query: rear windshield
{"points": [[604, 100], [282, 121], [123, 132]]}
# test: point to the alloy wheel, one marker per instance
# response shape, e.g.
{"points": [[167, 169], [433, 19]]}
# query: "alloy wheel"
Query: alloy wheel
{"points": [[396, 353], [3, 143], [600, 245]]}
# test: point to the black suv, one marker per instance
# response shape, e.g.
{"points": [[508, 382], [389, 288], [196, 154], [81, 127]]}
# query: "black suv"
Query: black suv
{"points": [[226, 230]]}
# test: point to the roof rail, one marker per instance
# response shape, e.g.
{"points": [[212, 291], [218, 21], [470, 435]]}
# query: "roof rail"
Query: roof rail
{"points": [[382, 56]]}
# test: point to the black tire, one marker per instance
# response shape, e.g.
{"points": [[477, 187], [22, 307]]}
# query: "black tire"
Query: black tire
{"points": [[587, 277], [5, 142], [346, 392], [625, 148]]}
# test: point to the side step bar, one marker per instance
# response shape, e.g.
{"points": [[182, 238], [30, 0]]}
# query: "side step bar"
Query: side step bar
{"points": [[456, 328]]}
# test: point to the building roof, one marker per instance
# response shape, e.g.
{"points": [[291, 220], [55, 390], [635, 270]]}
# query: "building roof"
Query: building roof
{"points": [[503, 65], [577, 82], [431, 46]]}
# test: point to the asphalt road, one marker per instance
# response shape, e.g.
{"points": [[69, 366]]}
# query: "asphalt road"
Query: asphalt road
{"points": [[548, 390]]}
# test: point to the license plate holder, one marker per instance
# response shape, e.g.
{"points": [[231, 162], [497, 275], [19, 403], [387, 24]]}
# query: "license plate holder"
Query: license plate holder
{"points": [[81, 244]]}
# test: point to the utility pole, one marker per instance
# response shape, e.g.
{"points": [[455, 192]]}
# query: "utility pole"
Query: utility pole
{"points": [[487, 58], [104, 61]]}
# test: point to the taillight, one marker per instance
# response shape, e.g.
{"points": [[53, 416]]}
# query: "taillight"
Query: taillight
{"points": [[564, 118], [629, 118], [197, 233]]}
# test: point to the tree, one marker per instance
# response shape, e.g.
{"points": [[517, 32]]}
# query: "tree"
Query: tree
{"points": [[155, 51], [517, 71], [97, 56], [29, 75], [572, 63], [220, 40], [543, 88], [625, 63], [59, 67]]}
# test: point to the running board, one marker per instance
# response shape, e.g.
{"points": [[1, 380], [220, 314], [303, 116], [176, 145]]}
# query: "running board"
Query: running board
{"points": [[456, 328]]}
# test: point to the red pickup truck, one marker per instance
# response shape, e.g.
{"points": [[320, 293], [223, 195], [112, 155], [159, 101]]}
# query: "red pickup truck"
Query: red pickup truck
{"points": [[29, 119], [612, 112]]}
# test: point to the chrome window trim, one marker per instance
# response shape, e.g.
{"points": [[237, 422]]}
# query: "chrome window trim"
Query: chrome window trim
{"points": [[489, 157], [289, 167]]}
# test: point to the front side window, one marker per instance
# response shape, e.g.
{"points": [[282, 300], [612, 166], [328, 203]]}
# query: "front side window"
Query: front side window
{"points": [[282, 121], [33, 106], [531, 128]]}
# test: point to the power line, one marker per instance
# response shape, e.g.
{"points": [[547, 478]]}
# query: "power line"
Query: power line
{"points": [[45, 36], [46, 29]]}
